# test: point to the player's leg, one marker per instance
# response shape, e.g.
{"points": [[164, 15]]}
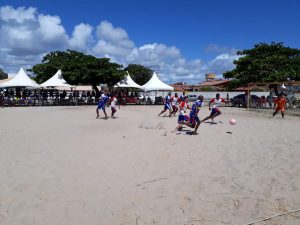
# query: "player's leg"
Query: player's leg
{"points": [[208, 117], [165, 109], [217, 113], [170, 111], [276, 111], [97, 112], [104, 111], [175, 109], [191, 122], [282, 113], [112, 112], [198, 122]]}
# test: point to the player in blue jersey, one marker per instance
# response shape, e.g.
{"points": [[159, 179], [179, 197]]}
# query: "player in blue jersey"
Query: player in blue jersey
{"points": [[194, 119], [101, 105], [167, 102]]}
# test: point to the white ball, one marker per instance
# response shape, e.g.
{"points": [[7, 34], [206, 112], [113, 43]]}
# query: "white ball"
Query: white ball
{"points": [[232, 121]]}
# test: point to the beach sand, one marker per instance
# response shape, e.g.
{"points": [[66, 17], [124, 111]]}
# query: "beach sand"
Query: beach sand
{"points": [[61, 166]]}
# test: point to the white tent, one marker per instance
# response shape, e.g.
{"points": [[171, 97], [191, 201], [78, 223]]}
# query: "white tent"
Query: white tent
{"points": [[155, 84], [127, 82], [21, 80], [56, 81]]}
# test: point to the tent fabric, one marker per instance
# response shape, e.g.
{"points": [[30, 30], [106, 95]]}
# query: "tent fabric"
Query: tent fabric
{"points": [[155, 84], [21, 80], [127, 82], [56, 81]]}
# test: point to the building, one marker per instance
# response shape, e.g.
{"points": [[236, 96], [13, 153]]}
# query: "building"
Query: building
{"points": [[213, 84]]}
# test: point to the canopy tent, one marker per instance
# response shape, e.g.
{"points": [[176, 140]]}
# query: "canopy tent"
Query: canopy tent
{"points": [[56, 81], [155, 84], [127, 82], [21, 80]]}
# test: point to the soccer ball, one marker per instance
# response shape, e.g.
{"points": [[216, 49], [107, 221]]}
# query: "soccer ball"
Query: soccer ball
{"points": [[232, 121]]}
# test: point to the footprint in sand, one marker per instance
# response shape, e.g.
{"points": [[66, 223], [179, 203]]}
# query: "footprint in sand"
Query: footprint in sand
{"points": [[160, 126]]}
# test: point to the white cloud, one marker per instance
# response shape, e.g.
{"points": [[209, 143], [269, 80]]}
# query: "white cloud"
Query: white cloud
{"points": [[113, 42], [8, 13], [27, 35], [81, 37], [50, 29]]}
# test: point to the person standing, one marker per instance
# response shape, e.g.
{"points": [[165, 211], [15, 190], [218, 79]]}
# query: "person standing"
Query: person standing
{"points": [[279, 105]]}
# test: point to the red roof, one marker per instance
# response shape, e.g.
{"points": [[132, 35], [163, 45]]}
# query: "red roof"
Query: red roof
{"points": [[213, 82]]}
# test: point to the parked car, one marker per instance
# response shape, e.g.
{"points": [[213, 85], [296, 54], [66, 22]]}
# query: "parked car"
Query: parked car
{"points": [[192, 97], [240, 100]]}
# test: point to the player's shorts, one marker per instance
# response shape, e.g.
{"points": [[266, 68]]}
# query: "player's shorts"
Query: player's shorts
{"points": [[194, 119], [182, 118], [214, 111], [167, 106], [113, 109], [175, 108], [280, 109], [101, 106]]}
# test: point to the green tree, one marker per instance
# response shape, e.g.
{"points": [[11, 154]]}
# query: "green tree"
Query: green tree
{"points": [[140, 74], [266, 63], [3, 75], [79, 68]]}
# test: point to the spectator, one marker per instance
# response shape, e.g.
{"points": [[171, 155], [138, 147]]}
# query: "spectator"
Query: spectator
{"points": [[56, 94], [64, 93], [11, 93]]}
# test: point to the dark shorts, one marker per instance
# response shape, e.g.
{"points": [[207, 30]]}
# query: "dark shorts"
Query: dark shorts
{"points": [[194, 119], [182, 118], [167, 106], [214, 111], [101, 106], [113, 109], [175, 108]]}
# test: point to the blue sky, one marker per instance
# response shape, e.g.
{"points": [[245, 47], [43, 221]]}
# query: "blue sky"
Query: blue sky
{"points": [[203, 34]]}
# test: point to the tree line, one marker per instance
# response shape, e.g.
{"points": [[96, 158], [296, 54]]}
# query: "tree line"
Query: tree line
{"points": [[262, 63], [79, 68], [265, 63]]}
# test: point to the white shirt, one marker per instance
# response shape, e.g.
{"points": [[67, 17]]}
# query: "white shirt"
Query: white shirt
{"points": [[216, 102], [174, 100], [113, 102]]}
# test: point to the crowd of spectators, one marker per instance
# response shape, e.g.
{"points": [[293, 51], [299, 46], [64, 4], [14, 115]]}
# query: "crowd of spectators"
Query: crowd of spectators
{"points": [[44, 97]]}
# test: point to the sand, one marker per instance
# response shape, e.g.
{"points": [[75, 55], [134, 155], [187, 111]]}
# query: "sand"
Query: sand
{"points": [[61, 166]]}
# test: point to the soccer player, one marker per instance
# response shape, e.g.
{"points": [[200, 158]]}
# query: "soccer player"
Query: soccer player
{"points": [[101, 105], [167, 106], [215, 111], [280, 104], [182, 97], [194, 119], [113, 105], [174, 102]]}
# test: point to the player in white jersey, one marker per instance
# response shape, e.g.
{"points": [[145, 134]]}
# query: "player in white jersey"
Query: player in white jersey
{"points": [[113, 105], [215, 111], [174, 103]]}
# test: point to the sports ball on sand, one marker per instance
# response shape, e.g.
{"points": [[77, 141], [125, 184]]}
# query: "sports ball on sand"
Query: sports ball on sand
{"points": [[232, 121]]}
